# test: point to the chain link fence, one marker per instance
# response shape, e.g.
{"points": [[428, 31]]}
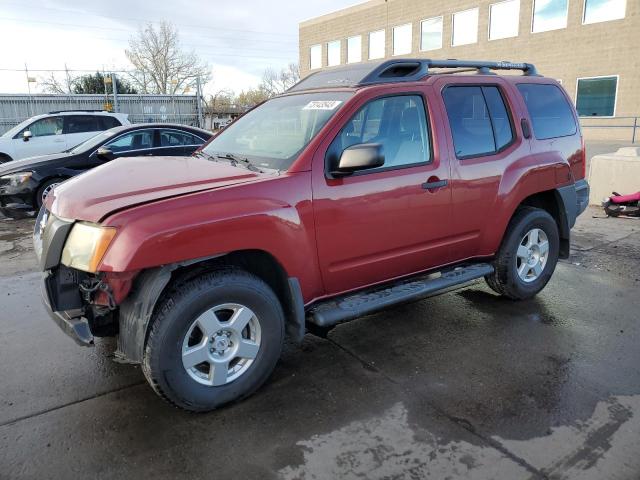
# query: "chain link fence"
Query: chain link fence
{"points": [[184, 109]]}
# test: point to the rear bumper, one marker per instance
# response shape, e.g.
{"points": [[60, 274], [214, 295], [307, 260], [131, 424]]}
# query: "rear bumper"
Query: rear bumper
{"points": [[575, 199]]}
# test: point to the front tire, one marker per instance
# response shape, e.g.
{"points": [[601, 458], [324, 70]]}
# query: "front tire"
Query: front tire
{"points": [[45, 189], [213, 340], [528, 255]]}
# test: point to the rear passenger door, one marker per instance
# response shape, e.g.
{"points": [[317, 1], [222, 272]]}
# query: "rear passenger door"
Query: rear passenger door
{"points": [[484, 141], [174, 142]]}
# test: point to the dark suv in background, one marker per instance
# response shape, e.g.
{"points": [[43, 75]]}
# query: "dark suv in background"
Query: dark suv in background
{"points": [[359, 188]]}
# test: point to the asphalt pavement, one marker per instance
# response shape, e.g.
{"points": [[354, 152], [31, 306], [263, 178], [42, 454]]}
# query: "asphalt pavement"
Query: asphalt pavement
{"points": [[464, 385]]}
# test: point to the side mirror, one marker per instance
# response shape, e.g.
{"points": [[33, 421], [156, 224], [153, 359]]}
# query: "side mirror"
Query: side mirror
{"points": [[26, 135], [105, 154], [359, 157]]}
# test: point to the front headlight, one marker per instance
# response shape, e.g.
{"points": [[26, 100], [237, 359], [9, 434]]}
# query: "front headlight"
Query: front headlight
{"points": [[17, 179], [86, 245]]}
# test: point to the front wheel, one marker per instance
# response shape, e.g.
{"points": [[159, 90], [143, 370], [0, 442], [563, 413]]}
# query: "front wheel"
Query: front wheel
{"points": [[213, 340], [528, 255], [45, 189]]}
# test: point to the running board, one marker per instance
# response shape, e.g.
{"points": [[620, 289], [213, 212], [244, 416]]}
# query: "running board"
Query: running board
{"points": [[356, 305]]}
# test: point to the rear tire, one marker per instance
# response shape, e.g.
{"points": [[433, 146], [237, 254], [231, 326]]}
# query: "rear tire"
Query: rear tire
{"points": [[527, 256], [194, 356]]}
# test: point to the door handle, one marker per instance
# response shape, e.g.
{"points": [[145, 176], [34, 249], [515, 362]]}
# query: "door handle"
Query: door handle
{"points": [[435, 184]]}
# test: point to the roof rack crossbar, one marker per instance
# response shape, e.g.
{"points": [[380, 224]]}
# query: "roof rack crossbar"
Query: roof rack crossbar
{"points": [[407, 70], [77, 110], [527, 68], [399, 70]]}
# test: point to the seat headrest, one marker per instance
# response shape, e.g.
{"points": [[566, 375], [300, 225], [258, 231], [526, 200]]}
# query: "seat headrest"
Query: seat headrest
{"points": [[411, 120]]}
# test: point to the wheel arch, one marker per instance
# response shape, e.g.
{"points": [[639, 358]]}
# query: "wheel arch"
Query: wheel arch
{"points": [[553, 203], [138, 308]]}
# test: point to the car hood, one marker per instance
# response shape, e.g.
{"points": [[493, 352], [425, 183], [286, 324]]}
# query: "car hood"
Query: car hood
{"points": [[28, 164], [126, 182]]}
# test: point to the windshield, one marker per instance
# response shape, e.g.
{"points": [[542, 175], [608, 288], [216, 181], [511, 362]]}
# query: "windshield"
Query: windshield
{"points": [[274, 134], [92, 142]]}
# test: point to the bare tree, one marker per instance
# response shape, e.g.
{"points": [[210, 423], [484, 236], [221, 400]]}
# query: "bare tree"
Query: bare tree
{"points": [[52, 84], [220, 100], [161, 65], [275, 83]]}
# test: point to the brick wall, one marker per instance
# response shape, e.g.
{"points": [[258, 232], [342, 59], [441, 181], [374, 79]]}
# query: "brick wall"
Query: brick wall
{"points": [[599, 49]]}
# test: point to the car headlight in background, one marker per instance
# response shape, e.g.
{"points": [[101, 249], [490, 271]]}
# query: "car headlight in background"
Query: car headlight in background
{"points": [[86, 245], [16, 179]]}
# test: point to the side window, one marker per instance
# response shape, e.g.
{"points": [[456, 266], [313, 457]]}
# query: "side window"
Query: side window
{"points": [[45, 127], [108, 122], [174, 138], [399, 124], [549, 110], [81, 124], [479, 121], [138, 140]]}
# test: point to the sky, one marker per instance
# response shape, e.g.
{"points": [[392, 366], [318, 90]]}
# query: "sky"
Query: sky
{"points": [[239, 39]]}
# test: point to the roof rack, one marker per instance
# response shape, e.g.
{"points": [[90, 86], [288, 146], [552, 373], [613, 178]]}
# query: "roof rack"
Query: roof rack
{"points": [[76, 110], [400, 70]]}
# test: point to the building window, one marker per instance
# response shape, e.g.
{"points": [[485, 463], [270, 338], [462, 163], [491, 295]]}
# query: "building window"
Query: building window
{"points": [[333, 53], [316, 57], [354, 49], [596, 97], [465, 27], [431, 34], [603, 10], [402, 39], [376, 45], [549, 15], [504, 18]]}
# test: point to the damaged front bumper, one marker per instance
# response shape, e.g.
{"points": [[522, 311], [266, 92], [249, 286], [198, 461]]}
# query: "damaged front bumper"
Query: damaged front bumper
{"points": [[70, 322], [60, 287]]}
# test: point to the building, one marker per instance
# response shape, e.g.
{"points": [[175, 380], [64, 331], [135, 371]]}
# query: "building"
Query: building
{"points": [[590, 46]]}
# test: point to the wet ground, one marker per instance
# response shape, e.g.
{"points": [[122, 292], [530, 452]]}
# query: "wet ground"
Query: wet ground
{"points": [[465, 385]]}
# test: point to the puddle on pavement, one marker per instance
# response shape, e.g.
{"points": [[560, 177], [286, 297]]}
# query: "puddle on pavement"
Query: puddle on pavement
{"points": [[603, 446], [388, 446]]}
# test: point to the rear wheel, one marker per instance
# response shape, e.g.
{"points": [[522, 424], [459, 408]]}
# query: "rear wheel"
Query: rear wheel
{"points": [[213, 340], [528, 255]]}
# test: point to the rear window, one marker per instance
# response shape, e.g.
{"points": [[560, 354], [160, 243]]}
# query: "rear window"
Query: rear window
{"points": [[550, 112], [478, 118]]}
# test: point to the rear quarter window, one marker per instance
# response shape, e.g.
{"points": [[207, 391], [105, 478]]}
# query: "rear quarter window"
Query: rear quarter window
{"points": [[550, 112]]}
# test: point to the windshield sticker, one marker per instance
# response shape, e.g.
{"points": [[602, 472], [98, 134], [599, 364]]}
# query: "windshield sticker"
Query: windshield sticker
{"points": [[322, 105]]}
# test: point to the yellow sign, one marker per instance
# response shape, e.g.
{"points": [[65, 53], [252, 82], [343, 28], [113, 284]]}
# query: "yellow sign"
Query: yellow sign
{"points": [[108, 107], [107, 79], [31, 79]]}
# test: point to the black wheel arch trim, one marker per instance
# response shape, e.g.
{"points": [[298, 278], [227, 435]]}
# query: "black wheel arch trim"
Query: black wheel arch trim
{"points": [[136, 310]]}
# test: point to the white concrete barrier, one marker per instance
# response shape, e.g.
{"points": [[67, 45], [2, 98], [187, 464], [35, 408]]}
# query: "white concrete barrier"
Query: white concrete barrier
{"points": [[614, 172]]}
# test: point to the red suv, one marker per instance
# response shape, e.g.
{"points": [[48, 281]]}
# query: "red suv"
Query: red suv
{"points": [[359, 188]]}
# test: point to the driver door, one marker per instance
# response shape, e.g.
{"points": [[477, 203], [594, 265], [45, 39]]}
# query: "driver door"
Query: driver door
{"points": [[379, 224]]}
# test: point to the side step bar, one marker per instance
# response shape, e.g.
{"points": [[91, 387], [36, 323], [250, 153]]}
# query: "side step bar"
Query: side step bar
{"points": [[356, 305]]}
